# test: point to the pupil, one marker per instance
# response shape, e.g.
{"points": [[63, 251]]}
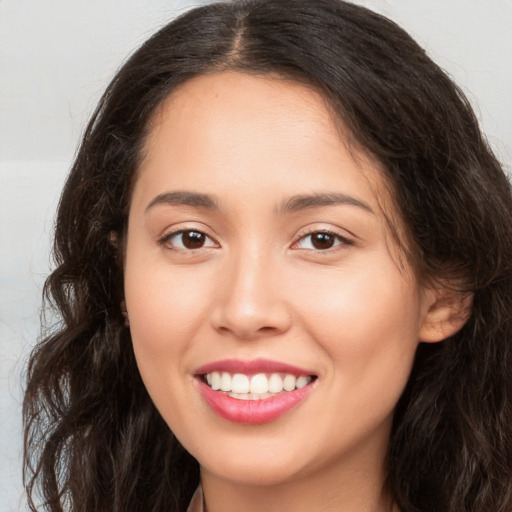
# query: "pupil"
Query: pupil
{"points": [[193, 239], [322, 240]]}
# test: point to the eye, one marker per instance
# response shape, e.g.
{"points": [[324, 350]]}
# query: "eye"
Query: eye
{"points": [[321, 241], [188, 239]]}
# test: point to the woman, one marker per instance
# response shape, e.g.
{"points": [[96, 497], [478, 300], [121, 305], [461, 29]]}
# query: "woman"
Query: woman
{"points": [[284, 280]]}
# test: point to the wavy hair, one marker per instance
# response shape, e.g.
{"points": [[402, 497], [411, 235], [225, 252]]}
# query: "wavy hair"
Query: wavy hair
{"points": [[94, 442]]}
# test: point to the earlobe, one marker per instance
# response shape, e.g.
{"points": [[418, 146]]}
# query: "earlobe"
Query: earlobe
{"points": [[124, 312], [113, 238], [448, 312]]}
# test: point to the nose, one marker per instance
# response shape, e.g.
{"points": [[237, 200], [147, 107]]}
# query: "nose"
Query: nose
{"points": [[251, 302]]}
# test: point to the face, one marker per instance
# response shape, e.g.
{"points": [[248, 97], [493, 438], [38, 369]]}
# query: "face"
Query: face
{"points": [[269, 316]]}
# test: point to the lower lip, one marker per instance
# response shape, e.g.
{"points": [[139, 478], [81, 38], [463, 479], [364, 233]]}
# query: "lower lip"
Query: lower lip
{"points": [[252, 412]]}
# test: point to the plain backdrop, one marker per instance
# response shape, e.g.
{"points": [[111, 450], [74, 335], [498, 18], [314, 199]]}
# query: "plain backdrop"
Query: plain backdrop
{"points": [[56, 57]]}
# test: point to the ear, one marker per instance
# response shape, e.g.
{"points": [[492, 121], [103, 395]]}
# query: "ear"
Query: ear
{"points": [[124, 312], [447, 312], [113, 238]]}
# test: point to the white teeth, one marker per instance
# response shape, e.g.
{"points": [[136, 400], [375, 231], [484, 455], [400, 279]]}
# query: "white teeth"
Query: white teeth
{"points": [[289, 382], [275, 383], [225, 382], [302, 381], [240, 383], [257, 386], [259, 383], [215, 380], [250, 396]]}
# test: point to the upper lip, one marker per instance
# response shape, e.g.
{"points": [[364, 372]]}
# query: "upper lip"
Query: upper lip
{"points": [[252, 367]]}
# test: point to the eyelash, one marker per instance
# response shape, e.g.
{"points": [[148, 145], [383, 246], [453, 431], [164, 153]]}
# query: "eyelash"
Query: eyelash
{"points": [[165, 240], [338, 240]]}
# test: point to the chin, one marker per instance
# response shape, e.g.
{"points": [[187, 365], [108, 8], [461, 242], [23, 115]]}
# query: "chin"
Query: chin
{"points": [[255, 473]]}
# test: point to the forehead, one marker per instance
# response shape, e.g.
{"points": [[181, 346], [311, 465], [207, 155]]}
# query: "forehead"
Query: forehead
{"points": [[256, 126], [240, 110]]}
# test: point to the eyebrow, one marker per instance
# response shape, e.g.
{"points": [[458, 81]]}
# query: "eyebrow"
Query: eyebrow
{"points": [[302, 202], [293, 204], [185, 198]]}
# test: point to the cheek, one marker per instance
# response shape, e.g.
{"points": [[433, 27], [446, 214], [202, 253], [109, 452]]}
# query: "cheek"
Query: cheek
{"points": [[165, 307], [367, 322]]}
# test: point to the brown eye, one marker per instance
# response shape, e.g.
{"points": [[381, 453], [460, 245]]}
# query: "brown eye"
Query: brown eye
{"points": [[193, 239], [189, 240], [321, 241]]}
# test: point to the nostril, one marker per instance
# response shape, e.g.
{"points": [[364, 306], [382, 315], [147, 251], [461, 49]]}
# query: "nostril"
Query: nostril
{"points": [[267, 329]]}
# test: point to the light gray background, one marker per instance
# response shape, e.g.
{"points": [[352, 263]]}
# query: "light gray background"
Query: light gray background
{"points": [[56, 57]]}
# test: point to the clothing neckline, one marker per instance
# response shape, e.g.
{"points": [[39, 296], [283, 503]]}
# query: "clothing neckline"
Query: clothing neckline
{"points": [[197, 501]]}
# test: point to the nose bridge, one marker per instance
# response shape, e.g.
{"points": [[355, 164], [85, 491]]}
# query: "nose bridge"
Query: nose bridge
{"points": [[251, 303]]}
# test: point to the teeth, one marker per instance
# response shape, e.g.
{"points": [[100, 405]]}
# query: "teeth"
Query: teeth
{"points": [[225, 382], [302, 381], [240, 383], [275, 383], [289, 382], [250, 396], [215, 378], [259, 383], [257, 386]]}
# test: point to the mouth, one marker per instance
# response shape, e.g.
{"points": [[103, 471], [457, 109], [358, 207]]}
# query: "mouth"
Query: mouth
{"points": [[253, 392], [260, 386]]}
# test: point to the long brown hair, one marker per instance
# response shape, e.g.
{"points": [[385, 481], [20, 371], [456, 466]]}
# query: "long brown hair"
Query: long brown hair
{"points": [[94, 441]]}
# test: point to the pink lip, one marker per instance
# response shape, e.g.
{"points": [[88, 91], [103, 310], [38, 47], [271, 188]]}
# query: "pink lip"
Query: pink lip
{"points": [[251, 367], [252, 412]]}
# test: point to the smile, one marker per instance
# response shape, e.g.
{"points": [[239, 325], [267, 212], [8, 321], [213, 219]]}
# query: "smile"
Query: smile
{"points": [[253, 392], [255, 387]]}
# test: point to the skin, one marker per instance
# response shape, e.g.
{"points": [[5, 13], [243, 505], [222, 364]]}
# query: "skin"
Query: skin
{"points": [[257, 288]]}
